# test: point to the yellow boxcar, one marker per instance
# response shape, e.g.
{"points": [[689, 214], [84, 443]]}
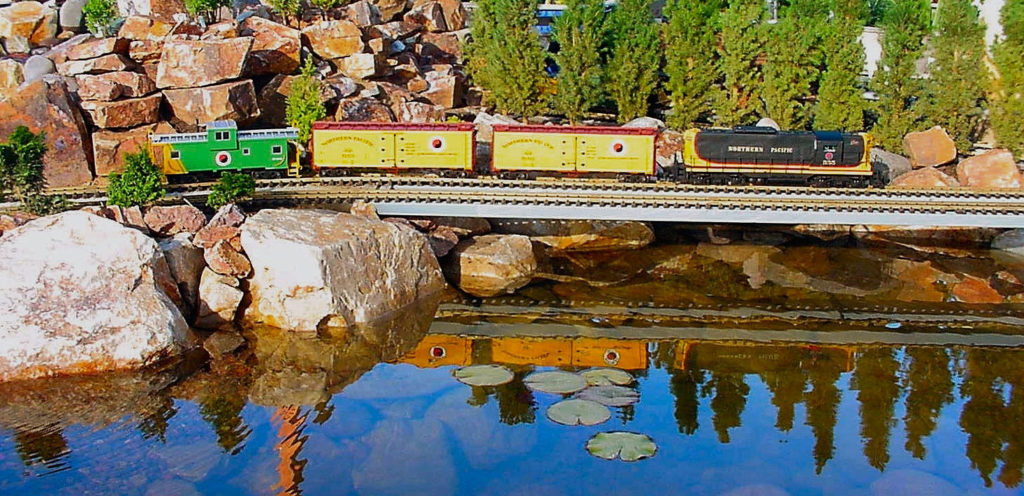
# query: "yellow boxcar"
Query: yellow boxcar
{"points": [[437, 350], [573, 150], [532, 351], [392, 146], [605, 352]]}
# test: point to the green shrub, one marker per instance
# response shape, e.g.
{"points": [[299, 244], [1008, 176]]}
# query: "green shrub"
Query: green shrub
{"points": [[21, 172], [692, 67], [286, 8], [959, 79], [326, 5], [505, 57], [635, 61], [206, 8], [232, 187], [580, 33], [139, 184], [304, 105], [99, 15], [1008, 104]]}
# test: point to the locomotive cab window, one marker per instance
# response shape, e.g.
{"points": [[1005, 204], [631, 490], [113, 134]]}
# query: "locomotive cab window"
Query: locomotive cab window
{"points": [[276, 150]]}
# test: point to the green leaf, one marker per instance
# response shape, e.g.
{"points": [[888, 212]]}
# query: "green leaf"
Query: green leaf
{"points": [[627, 446], [555, 382], [607, 377], [483, 375], [579, 412], [610, 395]]}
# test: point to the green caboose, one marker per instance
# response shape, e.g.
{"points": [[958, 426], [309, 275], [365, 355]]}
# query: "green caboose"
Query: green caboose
{"points": [[224, 148]]}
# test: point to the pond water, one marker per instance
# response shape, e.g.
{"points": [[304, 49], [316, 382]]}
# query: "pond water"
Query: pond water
{"points": [[809, 370]]}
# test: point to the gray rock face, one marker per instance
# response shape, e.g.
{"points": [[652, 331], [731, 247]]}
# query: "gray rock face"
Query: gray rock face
{"points": [[38, 66], [71, 15], [70, 303], [313, 268], [894, 165], [1011, 241], [185, 261]]}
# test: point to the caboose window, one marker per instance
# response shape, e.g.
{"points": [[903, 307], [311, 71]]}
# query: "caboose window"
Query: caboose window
{"points": [[222, 136], [175, 154], [276, 150], [245, 151]]}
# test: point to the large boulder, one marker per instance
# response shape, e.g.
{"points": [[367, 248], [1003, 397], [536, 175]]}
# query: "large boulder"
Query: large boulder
{"points": [[46, 105], [191, 63], [930, 148], [38, 66], [581, 235], [313, 268], [185, 261], [12, 74], [389, 9], [174, 219], [24, 25], [110, 147], [225, 259], [107, 63], [361, 65], [492, 265], [891, 164], [1011, 241], [126, 113], [926, 178], [113, 85], [334, 39], [219, 297], [80, 293], [485, 123], [361, 109], [144, 28], [992, 169], [194, 106], [96, 48], [275, 47]]}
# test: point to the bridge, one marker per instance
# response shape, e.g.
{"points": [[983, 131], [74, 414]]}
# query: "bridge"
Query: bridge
{"points": [[612, 200]]}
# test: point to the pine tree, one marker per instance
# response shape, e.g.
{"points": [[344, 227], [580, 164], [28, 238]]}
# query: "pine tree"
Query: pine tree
{"points": [[305, 105], [1008, 105], [505, 57], [740, 49], [635, 58], [959, 79], [579, 32], [840, 104], [789, 70], [690, 61], [905, 23]]}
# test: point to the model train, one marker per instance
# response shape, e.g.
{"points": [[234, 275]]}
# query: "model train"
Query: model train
{"points": [[741, 155]]}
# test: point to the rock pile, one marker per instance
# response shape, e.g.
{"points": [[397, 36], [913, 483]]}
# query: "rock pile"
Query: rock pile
{"points": [[933, 150]]}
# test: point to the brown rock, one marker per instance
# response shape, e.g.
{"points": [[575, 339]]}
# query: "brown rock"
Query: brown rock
{"points": [[360, 65], [992, 169], [46, 105], [209, 236], [363, 13], [428, 14], [930, 148], [461, 226], [363, 110], [228, 215], [491, 265], [106, 63], [128, 216], [454, 14], [168, 221], [12, 74], [219, 297], [226, 260], [442, 240], [666, 146], [334, 39], [191, 63], [975, 290], [110, 147], [16, 219], [220, 31], [132, 112], [581, 235], [395, 30], [114, 85], [143, 28], [275, 47], [363, 209], [186, 264], [928, 177], [439, 48], [418, 112], [97, 48], [145, 50], [389, 9], [26, 24], [445, 89], [223, 342], [194, 106]]}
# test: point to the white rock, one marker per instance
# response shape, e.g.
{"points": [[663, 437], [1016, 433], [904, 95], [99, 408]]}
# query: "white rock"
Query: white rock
{"points": [[314, 268], [485, 122], [219, 297], [645, 122], [768, 122], [81, 293]]}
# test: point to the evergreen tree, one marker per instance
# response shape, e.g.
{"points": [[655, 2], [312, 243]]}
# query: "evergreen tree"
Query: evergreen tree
{"points": [[579, 32], [789, 69], [635, 60], [21, 173], [822, 409], [930, 387], [690, 62], [959, 79], [1008, 105], [874, 379], [505, 57], [905, 23], [840, 104], [304, 105], [740, 49]]}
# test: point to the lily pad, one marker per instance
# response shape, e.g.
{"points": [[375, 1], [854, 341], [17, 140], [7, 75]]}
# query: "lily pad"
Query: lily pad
{"points": [[555, 382], [610, 395], [484, 375], [607, 377], [579, 412], [626, 446]]}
